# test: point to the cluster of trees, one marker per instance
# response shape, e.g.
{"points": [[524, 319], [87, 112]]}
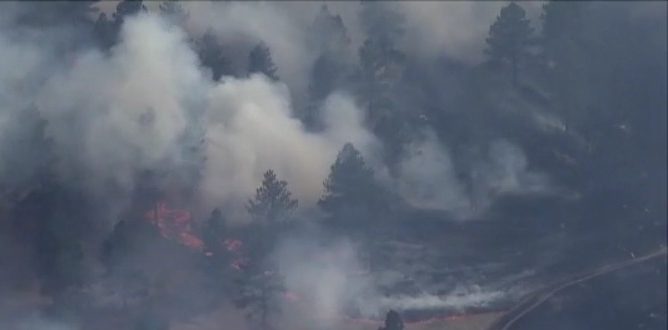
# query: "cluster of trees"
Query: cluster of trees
{"points": [[351, 194]]}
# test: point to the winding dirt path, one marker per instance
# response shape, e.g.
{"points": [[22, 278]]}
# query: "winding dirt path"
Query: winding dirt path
{"points": [[536, 299]]}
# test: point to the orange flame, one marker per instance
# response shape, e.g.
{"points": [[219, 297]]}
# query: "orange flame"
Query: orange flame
{"points": [[175, 224]]}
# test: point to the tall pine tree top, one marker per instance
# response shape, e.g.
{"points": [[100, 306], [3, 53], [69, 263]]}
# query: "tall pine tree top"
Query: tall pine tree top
{"points": [[328, 32], [393, 321], [273, 201], [509, 37], [350, 183], [382, 21], [510, 34], [173, 10], [259, 60], [212, 56]]}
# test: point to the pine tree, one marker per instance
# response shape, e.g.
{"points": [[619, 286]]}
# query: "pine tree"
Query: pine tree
{"points": [[393, 321], [380, 60], [107, 30], [214, 234], [259, 60], [329, 36], [350, 188], [104, 31], [211, 55], [273, 201], [509, 38], [53, 13], [45, 212], [259, 291], [381, 78], [382, 21], [187, 170], [127, 8], [173, 10], [328, 33], [382, 69]]}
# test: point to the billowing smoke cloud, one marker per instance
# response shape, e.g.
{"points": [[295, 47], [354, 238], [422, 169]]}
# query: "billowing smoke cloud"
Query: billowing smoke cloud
{"points": [[332, 279], [284, 30], [251, 130], [427, 178], [112, 115], [328, 279], [432, 29], [505, 171]]}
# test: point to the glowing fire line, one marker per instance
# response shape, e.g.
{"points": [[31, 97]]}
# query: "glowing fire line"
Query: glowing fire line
{"points": [[175, 224]]}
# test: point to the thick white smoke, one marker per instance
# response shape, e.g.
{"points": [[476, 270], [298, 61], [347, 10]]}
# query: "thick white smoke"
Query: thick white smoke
{"points": [[114, 114], [457, 301], [505, 171], [427, 178], [250, 129], [328, 279], [283, 29]]}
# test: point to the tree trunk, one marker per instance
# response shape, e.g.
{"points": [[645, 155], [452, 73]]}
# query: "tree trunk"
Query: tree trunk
{"points": [[264, 307], [514, 70]]}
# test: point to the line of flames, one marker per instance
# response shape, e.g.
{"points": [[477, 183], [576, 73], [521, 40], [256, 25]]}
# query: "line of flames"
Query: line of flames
{"points": [[177, 225]]}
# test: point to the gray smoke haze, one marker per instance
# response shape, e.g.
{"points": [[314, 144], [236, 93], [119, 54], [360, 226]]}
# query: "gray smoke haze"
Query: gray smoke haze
{"points": [[327, 279], [251, 130], [111, 115], [456, 29], [433, 29]]}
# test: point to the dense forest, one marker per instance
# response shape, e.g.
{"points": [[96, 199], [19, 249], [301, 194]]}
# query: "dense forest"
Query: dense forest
{"points": [[266, 165]]}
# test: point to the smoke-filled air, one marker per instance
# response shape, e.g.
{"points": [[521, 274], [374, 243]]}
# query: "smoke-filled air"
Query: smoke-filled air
{"points": [[358, 165]]}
